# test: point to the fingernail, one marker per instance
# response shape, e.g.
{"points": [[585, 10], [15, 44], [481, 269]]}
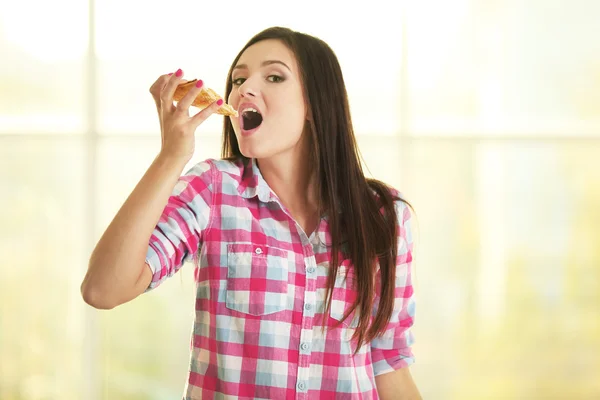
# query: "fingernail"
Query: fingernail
{"points": [[170, 73], [179, 73], [199, 83], [219, 102]]}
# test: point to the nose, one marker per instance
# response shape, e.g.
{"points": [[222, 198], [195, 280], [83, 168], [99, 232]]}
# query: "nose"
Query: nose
{"points": [[247, 90]]}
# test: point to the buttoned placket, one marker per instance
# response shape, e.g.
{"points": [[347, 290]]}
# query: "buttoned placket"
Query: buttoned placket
{"points": [[310, 298], [309, 308]]}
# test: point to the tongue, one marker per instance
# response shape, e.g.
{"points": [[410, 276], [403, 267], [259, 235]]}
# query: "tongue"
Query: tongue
{"points": [[251, 120]]}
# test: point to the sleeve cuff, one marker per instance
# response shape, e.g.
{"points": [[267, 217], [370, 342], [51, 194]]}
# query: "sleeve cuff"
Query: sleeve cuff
{"points": [[153, 259], [385, 361]]}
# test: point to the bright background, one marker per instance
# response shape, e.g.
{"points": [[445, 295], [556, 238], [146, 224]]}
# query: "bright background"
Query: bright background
{"points": [[486, 114]]}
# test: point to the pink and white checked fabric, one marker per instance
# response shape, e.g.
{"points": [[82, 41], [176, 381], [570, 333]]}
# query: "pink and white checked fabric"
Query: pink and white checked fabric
{"points": [[261, 293]]}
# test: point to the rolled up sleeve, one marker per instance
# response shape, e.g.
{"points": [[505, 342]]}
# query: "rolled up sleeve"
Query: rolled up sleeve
{"points": [[178, 233], [393, 350]]}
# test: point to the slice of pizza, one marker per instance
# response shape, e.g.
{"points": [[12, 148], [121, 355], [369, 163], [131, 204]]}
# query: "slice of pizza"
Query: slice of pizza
{"points": [[205, 98]]}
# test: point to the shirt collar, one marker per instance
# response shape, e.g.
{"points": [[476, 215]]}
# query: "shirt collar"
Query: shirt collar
{"points": [[253, 184]]}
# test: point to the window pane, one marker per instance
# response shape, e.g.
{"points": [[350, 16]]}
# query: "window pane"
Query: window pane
{"points": [[41, 74], [510, 67], [131, 60], [508, 239], [42, 247]]}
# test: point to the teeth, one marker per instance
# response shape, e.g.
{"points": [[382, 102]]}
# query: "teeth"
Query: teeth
{"points": [[250, 109]]}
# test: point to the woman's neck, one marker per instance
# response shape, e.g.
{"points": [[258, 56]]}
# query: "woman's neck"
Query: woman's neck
{"points": [[289, 177]]}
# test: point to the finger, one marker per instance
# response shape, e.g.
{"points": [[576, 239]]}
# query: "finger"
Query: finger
{"points": [[203, 115], [157, 99], [184, 104], [158, 86], [166, 94]]}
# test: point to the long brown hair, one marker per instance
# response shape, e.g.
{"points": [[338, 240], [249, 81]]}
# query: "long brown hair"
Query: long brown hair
{"points": [[361, 212]]}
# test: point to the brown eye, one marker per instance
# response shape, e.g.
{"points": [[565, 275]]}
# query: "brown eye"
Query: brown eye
{"points": [[275, 78]]}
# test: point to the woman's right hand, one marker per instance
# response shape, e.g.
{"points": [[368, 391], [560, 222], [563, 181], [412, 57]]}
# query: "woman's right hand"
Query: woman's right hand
{"points": [[176, 125]]}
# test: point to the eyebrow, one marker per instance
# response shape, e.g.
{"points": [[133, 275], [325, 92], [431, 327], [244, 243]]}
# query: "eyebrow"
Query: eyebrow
{"points": [[263, 64]]}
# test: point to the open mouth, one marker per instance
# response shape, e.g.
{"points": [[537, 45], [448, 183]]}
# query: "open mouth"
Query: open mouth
{"points": [[251, 119]]}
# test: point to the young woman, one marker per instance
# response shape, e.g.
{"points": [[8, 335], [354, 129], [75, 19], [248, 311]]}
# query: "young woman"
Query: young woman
{"points": [[302, 265]]}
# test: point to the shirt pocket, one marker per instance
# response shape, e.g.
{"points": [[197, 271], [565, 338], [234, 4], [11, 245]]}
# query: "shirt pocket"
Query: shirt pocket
{"points": [[343, 296], [257, 278]]}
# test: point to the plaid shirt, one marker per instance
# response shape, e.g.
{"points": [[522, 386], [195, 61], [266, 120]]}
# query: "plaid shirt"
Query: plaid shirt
{"points": [[261, 293]]}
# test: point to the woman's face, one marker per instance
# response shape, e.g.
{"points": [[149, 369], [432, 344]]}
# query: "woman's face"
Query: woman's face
{"points": [[268, 95]]}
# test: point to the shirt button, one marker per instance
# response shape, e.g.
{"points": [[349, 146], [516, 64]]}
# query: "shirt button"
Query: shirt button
{"points": [[304, 346], [310, 270], [258, 250], [307, 306], [302, 386]]}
